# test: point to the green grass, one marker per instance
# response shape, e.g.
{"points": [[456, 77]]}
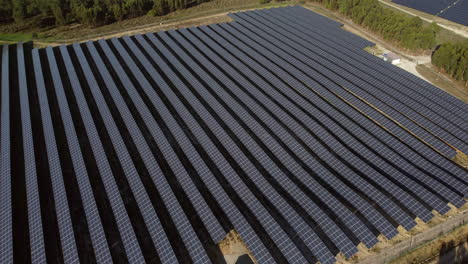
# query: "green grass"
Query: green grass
{"points": [[15, 37], [76, 32]]}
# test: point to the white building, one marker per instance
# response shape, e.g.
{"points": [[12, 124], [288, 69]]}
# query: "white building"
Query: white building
{"points": [[392, 58]]}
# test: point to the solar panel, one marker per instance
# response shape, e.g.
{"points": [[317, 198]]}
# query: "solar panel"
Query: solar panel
{"points": [[173, 79], [210, 221], [177, 214], [341, 61], [212, 45], [418, 143], [65, 225], [34, 209], [430, 7], [457, 12], [151, 219], [207, 64], [452, 10], [297, 114], [6, 242], [377, 87], [277, 125], [180, 219], [379, 63], [197, 85]]}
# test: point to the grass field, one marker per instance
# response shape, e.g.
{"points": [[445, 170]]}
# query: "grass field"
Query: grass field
{"points": [[15, 37], [77, 32]]}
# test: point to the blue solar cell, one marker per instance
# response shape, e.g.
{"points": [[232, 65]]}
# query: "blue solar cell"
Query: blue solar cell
{"points": [[431, 7], [68, 242], [454, 128], [217, 73], [6, 240], [172, 96], [92, 215], [34, 209], [417, 143], [213, 45], [345, 155], [457, 12], [341, 169], [151, 219], [388, 67], [287, 185], [210, 221], [178, 216], [453, 10], [307, 144]]}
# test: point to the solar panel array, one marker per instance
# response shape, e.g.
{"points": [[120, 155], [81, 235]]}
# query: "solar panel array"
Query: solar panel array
{"points": [[457, 12], [453, 10], [151, 148]]}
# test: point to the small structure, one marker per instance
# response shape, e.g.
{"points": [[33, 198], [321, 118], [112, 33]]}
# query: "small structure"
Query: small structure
{"points": [[392, 58]]}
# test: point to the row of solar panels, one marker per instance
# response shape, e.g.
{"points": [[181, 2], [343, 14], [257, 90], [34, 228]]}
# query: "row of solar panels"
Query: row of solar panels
{"points": [[153, 147], [453, 10], [458, 12]]}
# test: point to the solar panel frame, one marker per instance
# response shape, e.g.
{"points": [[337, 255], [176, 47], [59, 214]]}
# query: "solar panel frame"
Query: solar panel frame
{"points": [[346, 154], [346, 170], [374, 125], [257, 249], [380, 222], [380, 97], [360, 54], [150, 217], [6, 240], [91, 211], [34, 210], [197, 251], [173, 99], [216, 87], [68, 243], [216, 231], [422, 148], [283, 130], [448, 127], [192, 51], [268, 40], [242, 226]]}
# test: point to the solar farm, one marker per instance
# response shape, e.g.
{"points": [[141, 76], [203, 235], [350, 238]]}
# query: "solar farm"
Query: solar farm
{"points": [[278, 125], [453, 10]]}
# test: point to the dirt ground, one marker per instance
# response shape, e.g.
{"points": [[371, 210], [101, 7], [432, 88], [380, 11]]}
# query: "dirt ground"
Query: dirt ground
{"points": [[457, 255], [233, 247], [214, 11]]}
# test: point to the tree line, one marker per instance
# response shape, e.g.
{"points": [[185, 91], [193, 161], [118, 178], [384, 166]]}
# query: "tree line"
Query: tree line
{"points": [[452, 58], [408, 32], [90, 12]]}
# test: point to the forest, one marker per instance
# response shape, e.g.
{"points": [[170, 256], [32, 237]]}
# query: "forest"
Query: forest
{"points": [[407, 32], [89, 12], [452, 59]]}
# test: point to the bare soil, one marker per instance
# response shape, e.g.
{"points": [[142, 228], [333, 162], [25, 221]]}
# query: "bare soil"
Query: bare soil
{"points": [[232, 247]]}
